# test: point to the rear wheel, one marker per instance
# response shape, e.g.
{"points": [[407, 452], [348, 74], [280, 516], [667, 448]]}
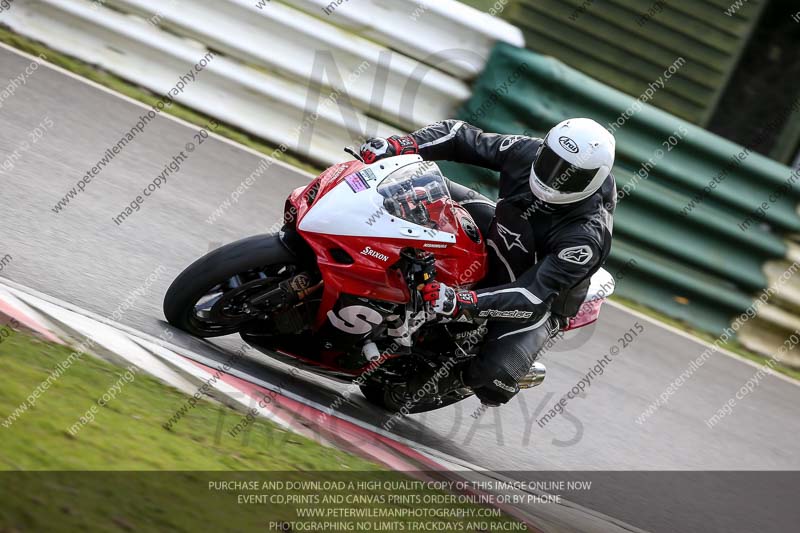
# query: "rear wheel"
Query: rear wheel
{"points": [[209, 298], [394, 398]]}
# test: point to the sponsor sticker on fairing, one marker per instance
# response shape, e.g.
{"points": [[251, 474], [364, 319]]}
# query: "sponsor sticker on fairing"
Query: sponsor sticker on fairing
{"points": [[368, 174], [374, 253], [356, 182]]}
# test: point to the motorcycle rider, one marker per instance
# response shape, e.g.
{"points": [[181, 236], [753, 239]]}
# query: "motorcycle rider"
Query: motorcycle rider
{"points": [[551, 230]]}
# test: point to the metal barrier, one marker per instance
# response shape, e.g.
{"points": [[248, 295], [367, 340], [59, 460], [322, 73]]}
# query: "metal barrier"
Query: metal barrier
{"points": [[447, 34], [279, 73], [706, 220], [625, 43]]}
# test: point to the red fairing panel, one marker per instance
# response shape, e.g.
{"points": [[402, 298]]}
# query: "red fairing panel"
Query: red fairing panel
{"points": [[366, 215], [464, 263]]}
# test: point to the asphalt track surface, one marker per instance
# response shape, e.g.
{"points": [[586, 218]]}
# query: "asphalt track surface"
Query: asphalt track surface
{"points": [[81, 256]]}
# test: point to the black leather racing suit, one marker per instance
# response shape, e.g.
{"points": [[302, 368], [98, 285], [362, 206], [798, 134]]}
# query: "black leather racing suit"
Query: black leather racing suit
{"points": [[541, 255]]}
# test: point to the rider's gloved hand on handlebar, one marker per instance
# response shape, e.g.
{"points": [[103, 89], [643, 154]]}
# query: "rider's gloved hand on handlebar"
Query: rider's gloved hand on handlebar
{"points": [[450, 302], [378, 148]]}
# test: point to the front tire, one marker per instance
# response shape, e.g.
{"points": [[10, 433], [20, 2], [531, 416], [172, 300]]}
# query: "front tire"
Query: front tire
{"points": [[253, 261]]}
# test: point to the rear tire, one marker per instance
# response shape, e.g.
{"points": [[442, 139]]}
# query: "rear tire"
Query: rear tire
{"points": [[214, 269], [388, 398]]}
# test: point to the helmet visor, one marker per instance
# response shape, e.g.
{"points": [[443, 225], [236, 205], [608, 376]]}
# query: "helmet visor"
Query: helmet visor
{"points": [[558, 174]]}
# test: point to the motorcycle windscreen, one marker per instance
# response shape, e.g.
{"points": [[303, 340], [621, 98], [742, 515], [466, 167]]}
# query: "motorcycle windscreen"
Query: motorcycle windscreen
{"points": [[418, 194]]}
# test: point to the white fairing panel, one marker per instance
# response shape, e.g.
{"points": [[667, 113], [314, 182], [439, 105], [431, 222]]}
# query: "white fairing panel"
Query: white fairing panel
{"points": [[355, 208], [601, 286]]}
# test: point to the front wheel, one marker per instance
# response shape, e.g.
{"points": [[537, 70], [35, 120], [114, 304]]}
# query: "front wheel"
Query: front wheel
{"points": [[209, 298]]}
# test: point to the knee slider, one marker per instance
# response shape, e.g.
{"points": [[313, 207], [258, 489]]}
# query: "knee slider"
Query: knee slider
{"points": [[491, 385]]}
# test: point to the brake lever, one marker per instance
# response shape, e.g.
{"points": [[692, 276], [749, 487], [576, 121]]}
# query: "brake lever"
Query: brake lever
{"points": [[353, 153]]}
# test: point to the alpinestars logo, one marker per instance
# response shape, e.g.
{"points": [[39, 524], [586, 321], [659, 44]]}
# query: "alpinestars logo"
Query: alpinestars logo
{"points": [[503, 386], [466, 297], [496, 313], [510, 239], [580, 255], [372, 253], [510, 141]]}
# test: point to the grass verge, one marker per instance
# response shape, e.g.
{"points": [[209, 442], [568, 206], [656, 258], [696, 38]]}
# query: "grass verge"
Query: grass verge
{"points": [[127, 434], [486, 5], [124, 471]]}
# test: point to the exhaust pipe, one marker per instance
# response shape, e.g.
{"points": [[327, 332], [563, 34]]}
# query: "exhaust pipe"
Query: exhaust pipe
{"points": [[534, 377]]}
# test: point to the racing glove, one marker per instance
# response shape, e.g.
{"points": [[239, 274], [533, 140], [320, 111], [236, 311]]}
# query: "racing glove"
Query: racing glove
{"points": [[378, 148], [450, 302]]}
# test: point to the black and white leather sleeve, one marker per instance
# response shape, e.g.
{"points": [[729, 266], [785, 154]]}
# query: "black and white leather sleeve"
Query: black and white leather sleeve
{"points": [[528, 298], [456, 140]]}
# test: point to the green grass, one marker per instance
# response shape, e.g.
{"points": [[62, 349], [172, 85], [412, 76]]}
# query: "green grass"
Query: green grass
{"points": [[485, 5], [143, 95], [124, 471], [128, 433]]}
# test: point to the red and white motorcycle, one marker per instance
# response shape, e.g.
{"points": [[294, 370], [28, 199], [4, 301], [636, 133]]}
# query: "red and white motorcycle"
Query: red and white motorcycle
{"points": [[336, 292]]}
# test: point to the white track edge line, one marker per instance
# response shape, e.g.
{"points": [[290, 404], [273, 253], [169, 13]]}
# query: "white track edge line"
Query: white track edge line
{"points": [[421, 448], [210, 362], [702, 342]]}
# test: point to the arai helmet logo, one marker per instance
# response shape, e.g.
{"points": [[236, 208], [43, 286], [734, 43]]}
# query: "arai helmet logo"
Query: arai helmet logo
{"points": [[372, 253], [568, 144]]}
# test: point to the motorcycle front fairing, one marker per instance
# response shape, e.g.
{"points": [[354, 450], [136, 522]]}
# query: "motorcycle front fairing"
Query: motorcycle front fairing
{"points": [[359, 221]]}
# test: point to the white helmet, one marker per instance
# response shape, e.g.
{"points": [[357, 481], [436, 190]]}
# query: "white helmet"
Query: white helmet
{"points": [[573, 161]]}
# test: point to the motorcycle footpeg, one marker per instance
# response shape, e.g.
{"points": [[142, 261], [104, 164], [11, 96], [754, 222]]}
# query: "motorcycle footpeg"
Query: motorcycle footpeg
{"points": [[534, 377]]}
